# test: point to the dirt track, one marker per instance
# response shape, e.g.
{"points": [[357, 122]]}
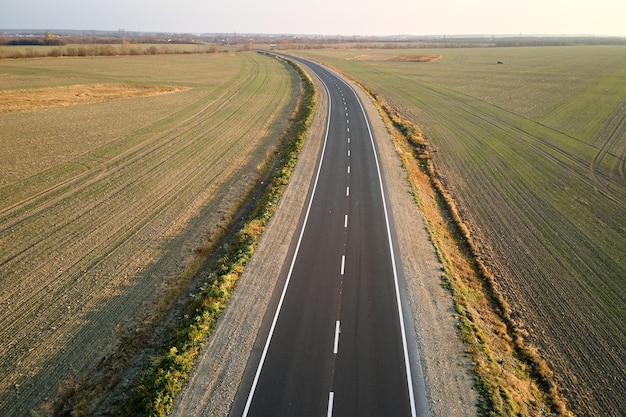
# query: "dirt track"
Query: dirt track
{"points": [[214, 382]]}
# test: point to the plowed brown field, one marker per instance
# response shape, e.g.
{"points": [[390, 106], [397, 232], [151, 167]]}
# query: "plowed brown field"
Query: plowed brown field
{"points": [[533, 153], [101, 204]]}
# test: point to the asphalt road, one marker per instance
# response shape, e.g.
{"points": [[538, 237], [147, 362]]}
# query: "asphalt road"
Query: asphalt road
{"points": [[335, 343]]}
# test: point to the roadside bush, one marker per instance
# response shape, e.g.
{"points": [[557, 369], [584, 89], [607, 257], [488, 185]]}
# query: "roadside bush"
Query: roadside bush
{"points": [[56, 52], [105, 50]]}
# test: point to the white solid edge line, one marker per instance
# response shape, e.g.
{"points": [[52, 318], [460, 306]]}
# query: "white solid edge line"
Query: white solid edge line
{"points": [[293, 262], [337, 331], [407, 363], [331, 400]]}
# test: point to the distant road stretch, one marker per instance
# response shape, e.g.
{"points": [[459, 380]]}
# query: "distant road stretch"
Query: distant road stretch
{"points": [[334, 343]]}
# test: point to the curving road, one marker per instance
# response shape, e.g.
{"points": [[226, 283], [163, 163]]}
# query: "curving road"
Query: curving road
{"points": [[336, 345]]}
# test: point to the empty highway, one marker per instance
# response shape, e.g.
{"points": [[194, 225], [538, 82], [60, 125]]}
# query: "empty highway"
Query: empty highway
{"points": [[335, 343]]}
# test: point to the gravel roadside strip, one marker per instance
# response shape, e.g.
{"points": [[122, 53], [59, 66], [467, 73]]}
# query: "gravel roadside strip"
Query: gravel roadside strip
{"points": [[213, 384]]}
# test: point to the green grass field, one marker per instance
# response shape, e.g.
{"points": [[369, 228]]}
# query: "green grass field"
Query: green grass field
{"points": [[103, 204], [533, 151]]}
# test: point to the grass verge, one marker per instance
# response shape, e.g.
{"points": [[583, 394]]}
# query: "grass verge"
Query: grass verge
{"points": [[156, 390], [511, 377]]}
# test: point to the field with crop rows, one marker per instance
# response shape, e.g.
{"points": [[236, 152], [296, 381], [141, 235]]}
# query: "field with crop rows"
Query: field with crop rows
{"points": [[103, 202], [534, 153]]}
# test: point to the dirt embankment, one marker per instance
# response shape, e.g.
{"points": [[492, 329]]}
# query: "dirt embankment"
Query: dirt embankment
{"points": [[215, 380]]}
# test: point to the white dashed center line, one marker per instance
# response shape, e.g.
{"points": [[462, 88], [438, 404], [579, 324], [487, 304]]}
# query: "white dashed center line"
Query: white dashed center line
{"points": [[343, 264], [331, 399], [337, 331]]}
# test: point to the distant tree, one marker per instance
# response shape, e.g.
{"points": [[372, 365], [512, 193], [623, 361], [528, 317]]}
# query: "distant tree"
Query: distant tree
{"points": [[249, 46]]}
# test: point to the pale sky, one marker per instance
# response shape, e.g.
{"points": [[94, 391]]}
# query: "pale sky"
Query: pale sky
{"points": [[325, 17]]}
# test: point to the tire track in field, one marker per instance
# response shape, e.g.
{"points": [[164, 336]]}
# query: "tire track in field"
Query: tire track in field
{"points": [[619, 170], [452, 105], [611, 137], [455, 101]]}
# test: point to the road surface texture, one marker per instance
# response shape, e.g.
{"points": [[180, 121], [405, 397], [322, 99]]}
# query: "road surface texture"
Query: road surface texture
{"points": [[314, 327]]}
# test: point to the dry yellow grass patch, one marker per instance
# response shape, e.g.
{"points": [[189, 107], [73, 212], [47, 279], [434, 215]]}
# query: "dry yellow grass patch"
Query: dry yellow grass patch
{"points": [[398, 58], [38, 98], [369, 57], [416, 58]]}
